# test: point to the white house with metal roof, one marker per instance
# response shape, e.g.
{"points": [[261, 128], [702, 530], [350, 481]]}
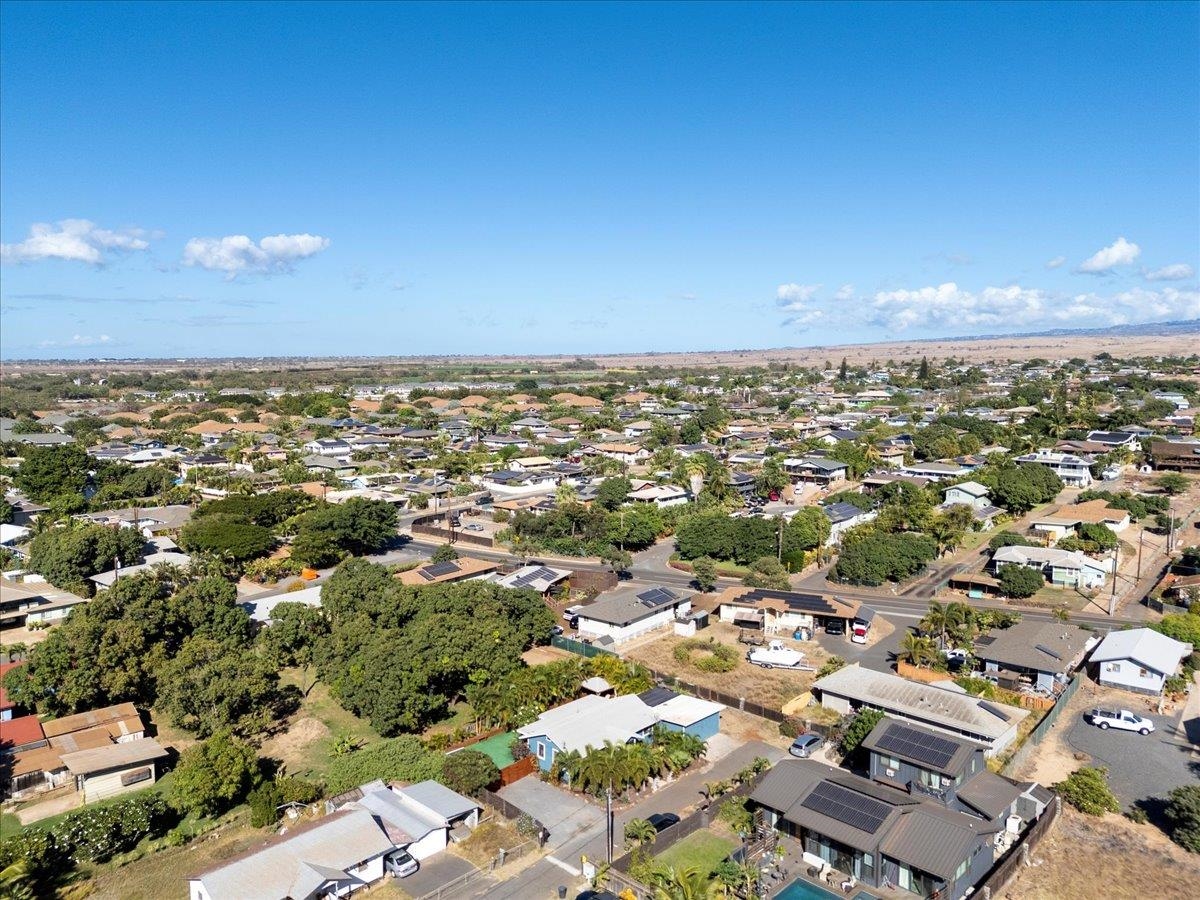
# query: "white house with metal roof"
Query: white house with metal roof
{"points": [[1139, 659], [330, 857]]}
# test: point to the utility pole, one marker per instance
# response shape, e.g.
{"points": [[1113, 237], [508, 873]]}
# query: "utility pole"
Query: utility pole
{"points": [[1141, 542], [1112, 600], [608, 823]]}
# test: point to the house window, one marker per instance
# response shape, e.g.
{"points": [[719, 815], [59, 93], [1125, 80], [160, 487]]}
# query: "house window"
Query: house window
{"points": [[1145, 673], [135, 776], [891, 762], [1112, 667], [961, 870], [541, 750]]}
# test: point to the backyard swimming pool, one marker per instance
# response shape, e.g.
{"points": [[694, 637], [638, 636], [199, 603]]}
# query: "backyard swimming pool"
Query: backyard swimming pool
{"points": [[806, 890]]}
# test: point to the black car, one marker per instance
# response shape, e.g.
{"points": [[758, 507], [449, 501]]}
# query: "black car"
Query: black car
{"points": [[663, 821], [835, 626]]}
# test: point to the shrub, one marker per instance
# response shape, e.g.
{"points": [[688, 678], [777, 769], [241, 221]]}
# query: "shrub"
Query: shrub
{"points": [[857, 729], [1183, 815], [734, 813], [1009, 539], [403, 758], [469, 772], [98, 833], [831, 665], [1020, 581], [718, 657], [1087, 790], [791, 727]]}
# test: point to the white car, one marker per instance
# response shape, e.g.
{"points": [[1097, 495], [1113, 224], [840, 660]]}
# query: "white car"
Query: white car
{"points": [[401, 864], [1120, 718]]}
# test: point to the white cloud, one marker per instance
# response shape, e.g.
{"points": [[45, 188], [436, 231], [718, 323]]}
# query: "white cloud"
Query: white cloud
{"points": [[1119, 253], [1056, 263], [1016, 308], [237, 254], [845, 292], [1176, 272], [79, 340], [793, 296], [803, 319], [75, 240]]}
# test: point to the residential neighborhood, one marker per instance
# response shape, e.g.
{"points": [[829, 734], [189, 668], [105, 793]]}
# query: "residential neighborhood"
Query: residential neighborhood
{"points": [[503, 606]]}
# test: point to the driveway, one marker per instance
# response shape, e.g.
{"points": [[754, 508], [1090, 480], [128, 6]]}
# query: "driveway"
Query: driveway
{"points": [[1139, 767], [435, 872], [566, 815]]}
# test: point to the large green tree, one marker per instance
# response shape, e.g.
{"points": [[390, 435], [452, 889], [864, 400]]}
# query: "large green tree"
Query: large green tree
{"points": [[214, 775]]}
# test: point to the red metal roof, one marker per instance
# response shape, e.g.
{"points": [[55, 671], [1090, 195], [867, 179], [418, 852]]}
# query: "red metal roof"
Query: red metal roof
{"points": [[20, 731]]}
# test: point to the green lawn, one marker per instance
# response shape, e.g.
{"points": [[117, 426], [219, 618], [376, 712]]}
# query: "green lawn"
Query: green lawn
{"points": [[498, 749], [701, 850]]}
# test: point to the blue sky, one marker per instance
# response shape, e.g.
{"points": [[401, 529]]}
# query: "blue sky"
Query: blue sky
{"points": [[192, 179]]}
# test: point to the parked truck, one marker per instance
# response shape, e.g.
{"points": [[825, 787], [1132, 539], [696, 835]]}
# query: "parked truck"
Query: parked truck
{"points": [[776, 656]]}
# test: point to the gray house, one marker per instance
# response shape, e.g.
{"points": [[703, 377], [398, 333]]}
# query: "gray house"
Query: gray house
{"points": [[1043, 654]]}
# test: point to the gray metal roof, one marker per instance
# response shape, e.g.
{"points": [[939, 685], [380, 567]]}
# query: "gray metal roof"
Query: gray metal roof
{"points": [[883, 739], [113, 756], [623, 609], [924, 703], [989, 793], [302, 861], [934, 839], [440, 799]]}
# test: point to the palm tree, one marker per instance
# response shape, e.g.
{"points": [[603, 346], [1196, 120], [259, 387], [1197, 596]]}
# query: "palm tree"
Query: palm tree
{"points": [[936, 621], [567, 766], [604, 768], [638, 832], [917, 650], [691, 883], [565, 494]]}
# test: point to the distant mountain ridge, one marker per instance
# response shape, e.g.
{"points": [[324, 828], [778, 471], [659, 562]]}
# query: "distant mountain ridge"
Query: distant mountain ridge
{"points": [[1141, 329]]}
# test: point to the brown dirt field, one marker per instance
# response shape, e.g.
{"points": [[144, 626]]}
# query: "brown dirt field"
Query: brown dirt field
{"points": [[289, 746], [1000, 348], [1110, 858], [741, 726], [537, 656], [772, 687]]}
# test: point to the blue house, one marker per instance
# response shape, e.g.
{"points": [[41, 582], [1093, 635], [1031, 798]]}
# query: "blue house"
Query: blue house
{"points": [[593, 720]]}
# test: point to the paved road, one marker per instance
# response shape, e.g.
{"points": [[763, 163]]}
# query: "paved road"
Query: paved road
{"points": [[1140, 767], [542, 879]]}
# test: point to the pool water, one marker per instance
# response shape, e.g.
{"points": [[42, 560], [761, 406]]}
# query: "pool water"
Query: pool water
{"points": [[806, 890]]}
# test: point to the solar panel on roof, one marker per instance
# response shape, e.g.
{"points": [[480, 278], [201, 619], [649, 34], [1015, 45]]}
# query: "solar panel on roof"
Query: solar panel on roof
{"points": [[917, 745], [847, 806], [437, 570], [994, 710], [655, 597], [1046, 650]]}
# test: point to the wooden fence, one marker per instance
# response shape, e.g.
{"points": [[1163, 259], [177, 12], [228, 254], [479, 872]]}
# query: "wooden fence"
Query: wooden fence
{"points": [[917, 673], [1018, 759], [1004, 871], [511, 811], [755, 709], [518, 770]]}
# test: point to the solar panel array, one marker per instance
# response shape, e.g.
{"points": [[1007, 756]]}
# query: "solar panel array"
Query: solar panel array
{"points": [[812, 603], [539, 574], [656, 597], [437, 570], [847, 806], [917, 745], [1047, 651]]}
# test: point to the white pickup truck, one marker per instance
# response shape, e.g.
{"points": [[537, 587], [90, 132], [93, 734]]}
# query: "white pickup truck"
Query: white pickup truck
{"points": [[776, 656], [1120, 718]]}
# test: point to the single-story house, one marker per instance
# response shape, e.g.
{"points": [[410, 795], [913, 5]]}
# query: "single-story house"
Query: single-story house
{"points": [[113, 769], [1045, 653], [1062, 568], [935, 471], [417, 818], [1067, 519], [592, 720], [780, 612], [661, 495], [451, 570], [538, 578], [1138, 659], [629, 612], [509, 484], [260, 607], [942, 709], [331, 857]]}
